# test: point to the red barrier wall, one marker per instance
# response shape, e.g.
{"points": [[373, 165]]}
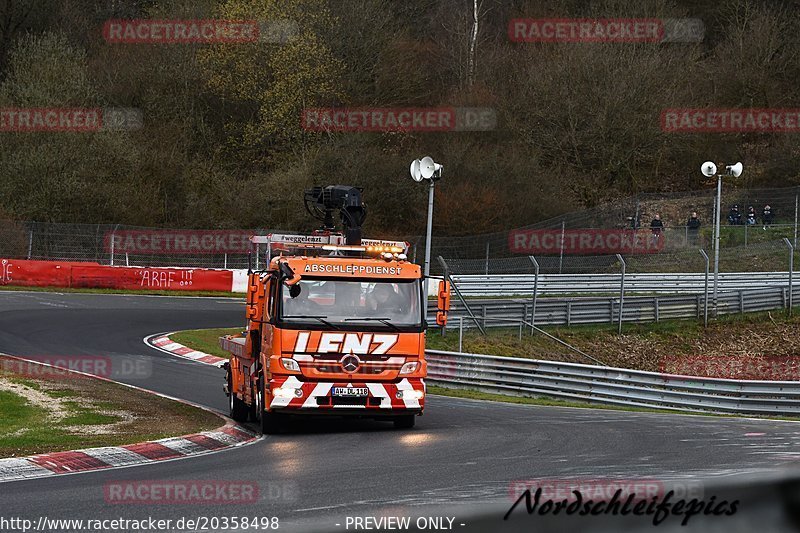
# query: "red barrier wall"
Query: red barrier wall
{"points": [[34, 273], [93, 275]]}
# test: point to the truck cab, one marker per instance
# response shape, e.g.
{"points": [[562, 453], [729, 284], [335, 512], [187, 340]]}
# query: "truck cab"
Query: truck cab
{"points": [[332, 329]]}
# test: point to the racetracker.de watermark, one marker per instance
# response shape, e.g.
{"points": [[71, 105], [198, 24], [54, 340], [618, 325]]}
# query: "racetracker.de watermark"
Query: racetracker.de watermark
{"points": [[426, 119], [603, 489], [64, 119], [745, 366], [193, 491], [747, 120], [202, 31], [606, 30], [178, 242], [70, 367], [584, 241]]}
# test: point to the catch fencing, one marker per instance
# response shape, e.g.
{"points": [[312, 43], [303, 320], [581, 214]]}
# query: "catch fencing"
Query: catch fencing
{"points": [[488, 253]]}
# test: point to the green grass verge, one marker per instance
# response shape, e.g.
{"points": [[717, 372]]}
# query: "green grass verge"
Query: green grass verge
{"points": [[205, 340], [216, 294], [679, 333], [52, 414]]}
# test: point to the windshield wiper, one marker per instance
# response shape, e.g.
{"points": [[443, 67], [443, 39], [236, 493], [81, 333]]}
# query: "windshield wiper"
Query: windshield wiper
{"points": [[321, 318], [382, 320]]}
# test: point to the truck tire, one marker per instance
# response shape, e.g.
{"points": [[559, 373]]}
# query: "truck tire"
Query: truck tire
{"points": [[405, 421], [237, 408], [269, 423]]}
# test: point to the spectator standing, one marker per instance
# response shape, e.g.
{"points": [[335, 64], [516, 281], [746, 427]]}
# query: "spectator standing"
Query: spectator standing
{"points": [[692, 228], [656, 226], [767, 217]]}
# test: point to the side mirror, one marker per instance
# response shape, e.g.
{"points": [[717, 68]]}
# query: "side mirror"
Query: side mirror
{"points": [[443, 303]]}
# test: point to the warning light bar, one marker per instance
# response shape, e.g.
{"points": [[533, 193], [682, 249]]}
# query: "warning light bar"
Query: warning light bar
{"points": [[384, 249]]}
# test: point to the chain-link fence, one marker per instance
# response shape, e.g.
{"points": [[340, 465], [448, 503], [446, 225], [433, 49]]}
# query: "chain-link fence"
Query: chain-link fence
{"points": [[638, 212], [115, 244], [670, 249], [763, 256]]}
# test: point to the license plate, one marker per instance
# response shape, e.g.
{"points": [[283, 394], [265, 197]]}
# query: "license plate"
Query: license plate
{"points": [[350, 391]]}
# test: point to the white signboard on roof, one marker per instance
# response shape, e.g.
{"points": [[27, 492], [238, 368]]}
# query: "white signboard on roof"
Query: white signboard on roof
{"points": [[281, 238]]}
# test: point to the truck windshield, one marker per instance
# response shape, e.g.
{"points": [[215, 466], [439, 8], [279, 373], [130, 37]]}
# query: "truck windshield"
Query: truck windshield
{"points": [[347, 304]]}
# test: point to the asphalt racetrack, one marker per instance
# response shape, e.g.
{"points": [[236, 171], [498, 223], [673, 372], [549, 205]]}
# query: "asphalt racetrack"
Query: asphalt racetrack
{"points": [[463, 456]]}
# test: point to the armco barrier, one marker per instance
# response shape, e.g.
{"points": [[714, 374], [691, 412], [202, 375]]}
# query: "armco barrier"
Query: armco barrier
{"points": [[597, 310], [92, 275], [613, 386], [500, 285]]}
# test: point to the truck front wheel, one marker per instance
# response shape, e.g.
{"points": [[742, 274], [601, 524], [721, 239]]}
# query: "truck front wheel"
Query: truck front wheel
{"points": [[237, 409]]}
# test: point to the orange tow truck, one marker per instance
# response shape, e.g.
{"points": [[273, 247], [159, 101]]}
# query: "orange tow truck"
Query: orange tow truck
{"points": [[335, 324]]}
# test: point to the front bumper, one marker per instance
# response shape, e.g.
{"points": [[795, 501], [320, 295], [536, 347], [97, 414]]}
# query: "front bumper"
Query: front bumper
{"points": [[404, 397]]}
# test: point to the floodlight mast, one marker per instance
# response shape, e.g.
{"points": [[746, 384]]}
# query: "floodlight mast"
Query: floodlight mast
{"points": [[709, 169], [427, 168]]}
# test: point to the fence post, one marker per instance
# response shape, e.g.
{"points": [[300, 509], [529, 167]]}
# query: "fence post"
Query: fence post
{"points": [[30, 243], [112, 243], [655, 308], [225, 261], [486, 271], [127, 262], [621, 292], [705, 289], [791, 271], [561, 255], [461, 334], [535, 290], [795, 218]]}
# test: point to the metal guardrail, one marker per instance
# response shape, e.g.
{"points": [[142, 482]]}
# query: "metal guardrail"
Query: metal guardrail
{"points": [[613, 386], [472, 285], [606, 310]]}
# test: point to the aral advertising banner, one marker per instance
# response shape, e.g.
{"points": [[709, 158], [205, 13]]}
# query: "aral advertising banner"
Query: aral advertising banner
{"points": [[178, 241], [584, 241]]}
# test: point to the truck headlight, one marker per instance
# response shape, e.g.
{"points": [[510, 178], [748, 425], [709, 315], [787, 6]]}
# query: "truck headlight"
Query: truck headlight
{"points": [[290, 364], [409, 368]]}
